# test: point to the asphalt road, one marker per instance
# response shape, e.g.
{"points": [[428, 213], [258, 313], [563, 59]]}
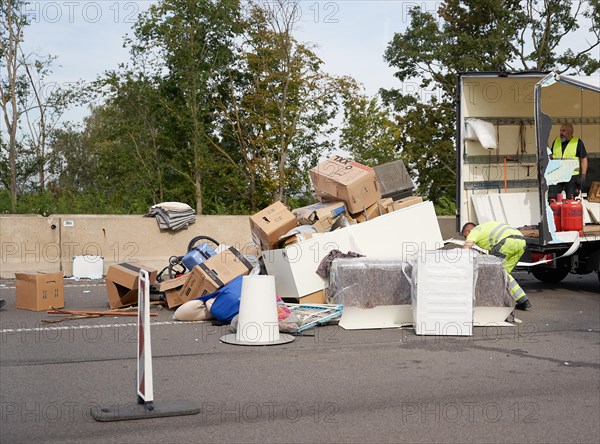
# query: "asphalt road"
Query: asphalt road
{"points": [[536, 382]]}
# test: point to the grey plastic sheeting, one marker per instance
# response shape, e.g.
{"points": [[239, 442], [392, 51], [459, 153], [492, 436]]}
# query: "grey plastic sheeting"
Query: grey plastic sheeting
{"points": [[366, 283]]}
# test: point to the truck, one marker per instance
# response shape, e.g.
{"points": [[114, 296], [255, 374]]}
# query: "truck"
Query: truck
{"points": [[506, 124]]}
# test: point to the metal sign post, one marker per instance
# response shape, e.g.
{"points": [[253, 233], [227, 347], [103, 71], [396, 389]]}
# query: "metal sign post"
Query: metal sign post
{"points": [[145, 407]]}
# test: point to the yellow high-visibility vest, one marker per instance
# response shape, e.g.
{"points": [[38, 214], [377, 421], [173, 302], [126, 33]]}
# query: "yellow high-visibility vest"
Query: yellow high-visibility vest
{"points": [[569, 153], [488, 234]]}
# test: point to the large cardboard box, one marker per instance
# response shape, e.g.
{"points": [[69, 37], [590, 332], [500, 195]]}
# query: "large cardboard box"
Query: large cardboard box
{"points": [[270, 223], [122, 282], [318, 297], [39, 291], [594, 194], [211, 275], [339, 178]]}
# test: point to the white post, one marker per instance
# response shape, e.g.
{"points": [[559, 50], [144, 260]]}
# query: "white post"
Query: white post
{"points": [[145, 388]]}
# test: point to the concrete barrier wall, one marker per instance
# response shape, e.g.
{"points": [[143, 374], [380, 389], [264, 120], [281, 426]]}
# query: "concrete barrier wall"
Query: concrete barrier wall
{"points": [[49, 244], [29, 243], [36, 243]]}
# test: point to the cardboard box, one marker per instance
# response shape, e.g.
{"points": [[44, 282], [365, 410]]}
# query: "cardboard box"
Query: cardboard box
{"points": [[322, 210], [385, 204], [594, 193], [269, 224], [122, 282], [339, 178], [377, 209], [171, 289], [211, 275], [39, 291], [294, 239], [324, 225], [318, 297], [404, 203]]}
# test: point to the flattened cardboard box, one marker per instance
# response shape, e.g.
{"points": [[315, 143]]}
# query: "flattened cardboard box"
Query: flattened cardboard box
{"points": [[122, 282], [270, 223], [39, 291], [211, 275], [339, 178]]}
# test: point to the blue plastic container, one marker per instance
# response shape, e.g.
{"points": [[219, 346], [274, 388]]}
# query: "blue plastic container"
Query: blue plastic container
{"points": [[197, 256]]}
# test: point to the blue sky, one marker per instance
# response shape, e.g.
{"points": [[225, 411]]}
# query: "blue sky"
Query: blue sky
{"points": [[87, 36]]}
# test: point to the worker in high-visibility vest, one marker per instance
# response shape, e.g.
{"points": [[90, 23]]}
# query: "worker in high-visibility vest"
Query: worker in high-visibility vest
{"points": [[504, 242], [568, 147]]}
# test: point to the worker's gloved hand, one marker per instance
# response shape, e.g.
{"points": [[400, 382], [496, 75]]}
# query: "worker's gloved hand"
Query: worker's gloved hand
{"points": [[581, 180]]}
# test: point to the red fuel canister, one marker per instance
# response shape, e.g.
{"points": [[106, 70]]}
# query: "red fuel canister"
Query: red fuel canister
{"points": [[571, 216], [556, 206]]}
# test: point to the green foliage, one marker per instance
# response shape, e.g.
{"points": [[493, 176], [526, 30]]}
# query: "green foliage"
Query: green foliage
{"points": [[368, 131], [428, 149], [472, 35], [221, 107], [276, 107], [5, 201], [445, 207], [190, 43]]}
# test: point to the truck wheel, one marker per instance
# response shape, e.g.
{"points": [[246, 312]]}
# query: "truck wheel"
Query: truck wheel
{"points": [[550, 275]]}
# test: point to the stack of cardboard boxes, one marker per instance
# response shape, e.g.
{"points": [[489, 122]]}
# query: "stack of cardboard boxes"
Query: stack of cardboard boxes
{"points": [[348, 193], [294, 242]]}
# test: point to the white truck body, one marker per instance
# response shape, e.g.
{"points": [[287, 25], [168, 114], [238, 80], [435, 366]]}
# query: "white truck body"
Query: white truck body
{"points": [[505, 126]]}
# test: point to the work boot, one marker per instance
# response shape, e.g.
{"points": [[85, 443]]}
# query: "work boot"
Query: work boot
{"points": [[523, 304]]}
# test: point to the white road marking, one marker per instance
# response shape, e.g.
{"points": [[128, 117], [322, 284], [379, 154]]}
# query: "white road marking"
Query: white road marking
{"points": [[88, 326]]}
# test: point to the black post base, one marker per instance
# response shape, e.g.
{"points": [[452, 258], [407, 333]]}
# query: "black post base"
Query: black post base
{"points": [[125, 412]]}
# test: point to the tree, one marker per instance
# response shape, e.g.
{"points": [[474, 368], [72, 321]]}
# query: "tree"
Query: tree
{"points": [[31, 108], [548, 23], [12, 84], [141, 124], [277, 106], [368, 131], [475, 35], [191, 42]]}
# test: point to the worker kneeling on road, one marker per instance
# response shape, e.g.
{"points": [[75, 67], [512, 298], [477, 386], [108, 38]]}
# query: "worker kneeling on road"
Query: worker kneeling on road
{"points": [[502, 241]]}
